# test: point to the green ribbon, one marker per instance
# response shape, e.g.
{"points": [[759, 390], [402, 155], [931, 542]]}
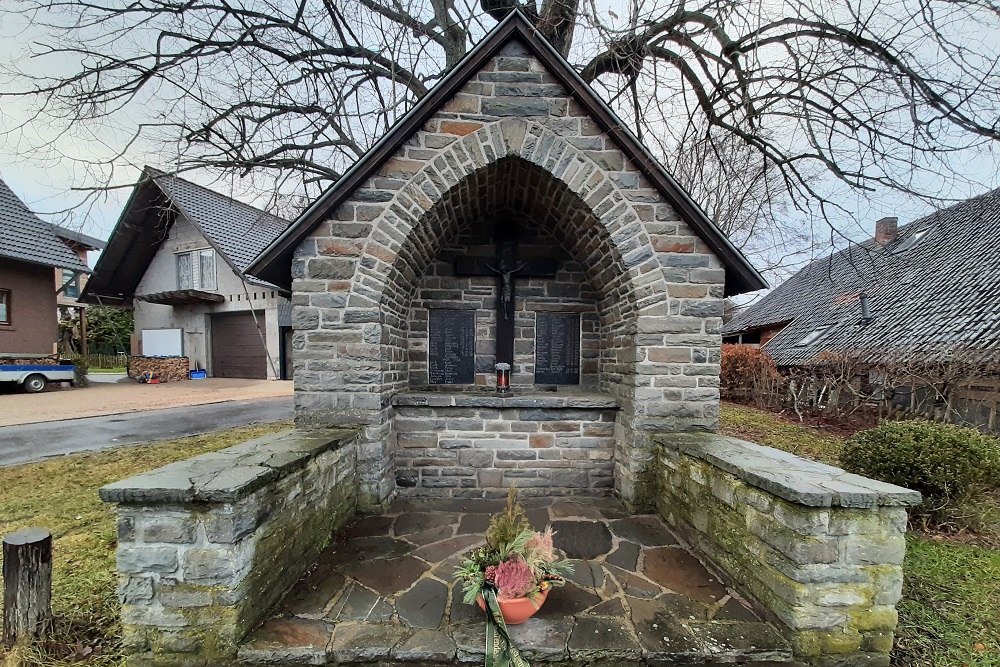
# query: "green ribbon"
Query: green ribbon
{"points": [[500, 650]]}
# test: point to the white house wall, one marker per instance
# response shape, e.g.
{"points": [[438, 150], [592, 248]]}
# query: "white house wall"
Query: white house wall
{"points": [[194, 319]]}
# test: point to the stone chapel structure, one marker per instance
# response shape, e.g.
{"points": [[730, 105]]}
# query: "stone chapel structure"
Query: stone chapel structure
{"points": [[509, 220], [508, 217]]}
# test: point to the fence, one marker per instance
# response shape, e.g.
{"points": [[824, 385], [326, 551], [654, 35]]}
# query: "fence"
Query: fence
{"points": [[955, 385], [119, 360]]}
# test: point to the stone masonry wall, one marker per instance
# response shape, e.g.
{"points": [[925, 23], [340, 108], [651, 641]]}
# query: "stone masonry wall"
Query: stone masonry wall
{"points": [[511, 138], [544, 446], [208, 545], [569, 291], [819, 548]]}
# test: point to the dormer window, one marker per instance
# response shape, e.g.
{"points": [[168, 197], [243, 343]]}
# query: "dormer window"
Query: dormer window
{"points": [[196, 270], [910, 241], [815, 335]]}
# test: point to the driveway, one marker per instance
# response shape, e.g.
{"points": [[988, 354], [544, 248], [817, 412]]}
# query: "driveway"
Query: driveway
{"points": [[117, 398], [33, 442]]}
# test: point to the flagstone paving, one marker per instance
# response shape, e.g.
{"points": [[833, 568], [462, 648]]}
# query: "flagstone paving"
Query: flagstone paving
{"points": [[383, 593]]}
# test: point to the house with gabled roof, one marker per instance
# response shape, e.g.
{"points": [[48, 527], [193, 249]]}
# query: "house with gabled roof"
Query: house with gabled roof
{"points": [[30, 250], [923, 295], [927, 287], [178, 256]]}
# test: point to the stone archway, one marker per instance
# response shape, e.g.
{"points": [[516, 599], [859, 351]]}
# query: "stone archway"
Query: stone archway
{"points": [[381, 244]]}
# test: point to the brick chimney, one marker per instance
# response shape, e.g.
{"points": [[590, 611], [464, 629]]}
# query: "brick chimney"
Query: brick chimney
{"points": [[885, 230]]}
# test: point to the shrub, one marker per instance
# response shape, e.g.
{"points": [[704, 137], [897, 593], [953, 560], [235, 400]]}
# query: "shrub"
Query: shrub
{"points": [[948, 464], [749, 375]]}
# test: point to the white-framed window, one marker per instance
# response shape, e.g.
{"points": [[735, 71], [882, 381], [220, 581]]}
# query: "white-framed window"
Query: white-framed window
{"points": [[4, 306], [71, 283], [196, 270]]}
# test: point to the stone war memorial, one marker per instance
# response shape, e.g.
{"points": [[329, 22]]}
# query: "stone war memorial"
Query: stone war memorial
{"points": [[507, 290]]}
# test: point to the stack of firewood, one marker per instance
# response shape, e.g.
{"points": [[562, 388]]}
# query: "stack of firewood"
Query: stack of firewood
{"points": [[167, 369]]}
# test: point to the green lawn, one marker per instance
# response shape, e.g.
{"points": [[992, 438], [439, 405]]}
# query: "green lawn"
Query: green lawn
{"points": [[950, 612], [61, 495]]}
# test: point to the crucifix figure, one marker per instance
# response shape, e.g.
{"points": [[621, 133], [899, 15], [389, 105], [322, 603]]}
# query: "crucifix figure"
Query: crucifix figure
{"points": [[507, 268], [506, 284]]}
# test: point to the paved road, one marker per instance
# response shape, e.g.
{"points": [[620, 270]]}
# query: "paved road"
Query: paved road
{"points": [[33, 442]]}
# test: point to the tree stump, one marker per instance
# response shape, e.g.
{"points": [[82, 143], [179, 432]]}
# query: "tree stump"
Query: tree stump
{"points": [[27, 576]]}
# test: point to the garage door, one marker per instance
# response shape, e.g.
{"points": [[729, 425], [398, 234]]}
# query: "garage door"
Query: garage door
{"points": [[237, 348]]}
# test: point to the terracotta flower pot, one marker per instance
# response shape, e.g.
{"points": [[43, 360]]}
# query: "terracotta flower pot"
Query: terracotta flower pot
{"points": [[517, 610]]}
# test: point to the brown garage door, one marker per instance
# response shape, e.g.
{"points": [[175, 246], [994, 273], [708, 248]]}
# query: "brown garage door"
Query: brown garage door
{"points": [[237, 349]]}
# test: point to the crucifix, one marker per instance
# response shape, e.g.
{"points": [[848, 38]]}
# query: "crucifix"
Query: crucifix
{"points": [[507, 268]]}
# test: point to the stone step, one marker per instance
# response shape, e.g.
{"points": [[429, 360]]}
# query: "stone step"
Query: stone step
{"points": [[592, 642]]}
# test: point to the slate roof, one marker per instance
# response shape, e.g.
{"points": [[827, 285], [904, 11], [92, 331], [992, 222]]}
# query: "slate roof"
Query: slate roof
{"points": [[26, 238], [274, 264], [237, 231], [939, 295]]}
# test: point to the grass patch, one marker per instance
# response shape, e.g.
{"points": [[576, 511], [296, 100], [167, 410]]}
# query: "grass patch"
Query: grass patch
{"points": [[61, 495], [766, 428], [99, 371], [950, 612]]}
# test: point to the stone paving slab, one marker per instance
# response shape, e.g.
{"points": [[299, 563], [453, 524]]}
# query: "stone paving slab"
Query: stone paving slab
{"points": [[383, 593]]}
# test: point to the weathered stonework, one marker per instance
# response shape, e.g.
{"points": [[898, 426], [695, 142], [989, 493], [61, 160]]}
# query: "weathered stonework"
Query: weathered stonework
{"points": [[476, 446], [511, 140], [819, 548], [208, 545], [568, 291]]}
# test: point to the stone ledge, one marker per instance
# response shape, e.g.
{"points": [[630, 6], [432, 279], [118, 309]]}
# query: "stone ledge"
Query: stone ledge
{"points": [[543, 400], [787, 476], [227, 475]]}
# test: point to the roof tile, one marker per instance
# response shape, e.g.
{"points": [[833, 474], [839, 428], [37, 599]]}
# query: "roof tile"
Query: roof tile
{"points": [[24, 237]]}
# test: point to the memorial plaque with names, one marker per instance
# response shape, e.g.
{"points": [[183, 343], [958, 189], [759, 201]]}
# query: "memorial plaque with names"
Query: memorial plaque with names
{"points": [[451, 346], [557, 348]]}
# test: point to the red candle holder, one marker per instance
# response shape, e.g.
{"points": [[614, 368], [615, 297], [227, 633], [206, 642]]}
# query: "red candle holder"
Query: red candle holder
{"points": [[503, 379]]}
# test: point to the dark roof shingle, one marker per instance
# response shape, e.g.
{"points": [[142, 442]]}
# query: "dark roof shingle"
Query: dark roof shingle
{"points": [[939, 294], [238, 230], [26, 238]]}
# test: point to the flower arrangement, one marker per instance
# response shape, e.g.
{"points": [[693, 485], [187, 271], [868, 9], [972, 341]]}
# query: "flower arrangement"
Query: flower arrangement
{"points": [[517, 562]]}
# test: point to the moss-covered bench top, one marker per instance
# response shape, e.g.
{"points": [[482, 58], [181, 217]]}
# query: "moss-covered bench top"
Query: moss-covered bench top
{"points": [[788, 476], [228, 474]]}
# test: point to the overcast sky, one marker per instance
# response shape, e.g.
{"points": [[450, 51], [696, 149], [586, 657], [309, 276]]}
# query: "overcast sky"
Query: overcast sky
{"points": [[45, 181]]}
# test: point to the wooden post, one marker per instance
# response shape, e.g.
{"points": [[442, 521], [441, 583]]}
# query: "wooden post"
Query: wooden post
{"points": [[27, 576], [84, 348]]}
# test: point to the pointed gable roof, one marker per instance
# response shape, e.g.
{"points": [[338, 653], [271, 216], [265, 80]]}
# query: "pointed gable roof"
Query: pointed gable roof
{"points": [[26, 238], [274, 264], [931, 290], [237, 231]]}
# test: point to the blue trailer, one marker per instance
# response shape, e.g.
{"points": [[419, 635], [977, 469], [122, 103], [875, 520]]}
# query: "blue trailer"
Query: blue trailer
{"points": [[33, 378]]}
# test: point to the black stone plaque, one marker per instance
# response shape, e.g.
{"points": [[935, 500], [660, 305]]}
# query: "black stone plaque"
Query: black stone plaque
{"points": [[557, 348], [451, 346]]}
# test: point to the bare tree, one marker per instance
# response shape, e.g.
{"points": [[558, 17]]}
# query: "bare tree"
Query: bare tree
{"points": [[875, 93]]}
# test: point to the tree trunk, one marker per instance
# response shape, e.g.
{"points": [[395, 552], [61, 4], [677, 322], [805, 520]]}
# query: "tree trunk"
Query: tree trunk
{"points": [[27, 576]]}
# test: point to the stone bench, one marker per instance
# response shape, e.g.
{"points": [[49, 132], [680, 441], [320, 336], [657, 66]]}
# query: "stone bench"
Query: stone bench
{"points": [[208, 545], [820, 548]]}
